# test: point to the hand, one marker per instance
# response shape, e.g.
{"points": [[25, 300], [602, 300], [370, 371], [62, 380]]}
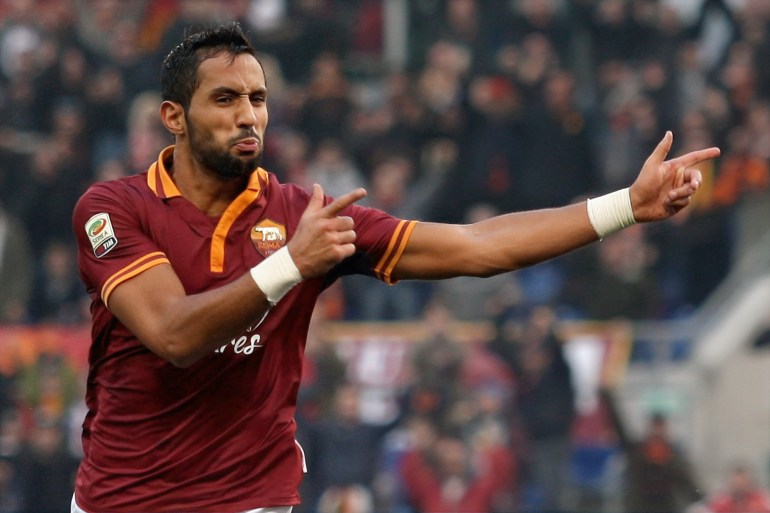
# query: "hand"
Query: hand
{"points": [[663, 188], [323, 239]]}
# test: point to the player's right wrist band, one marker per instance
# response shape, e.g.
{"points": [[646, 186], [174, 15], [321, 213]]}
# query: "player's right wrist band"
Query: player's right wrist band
{"points": [[276, 275], [611, 212]]}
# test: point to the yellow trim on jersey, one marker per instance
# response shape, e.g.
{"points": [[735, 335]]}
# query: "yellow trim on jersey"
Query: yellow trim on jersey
{"points": [[134, 268], [169, 187], [158, 172], [235, 209], [393, 239], [399, 252], [217, 255], [393, 254], [152, 178]]}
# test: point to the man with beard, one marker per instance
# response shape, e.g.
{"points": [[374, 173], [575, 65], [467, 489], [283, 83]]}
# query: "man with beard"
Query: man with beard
{"points": [[204, 271]]}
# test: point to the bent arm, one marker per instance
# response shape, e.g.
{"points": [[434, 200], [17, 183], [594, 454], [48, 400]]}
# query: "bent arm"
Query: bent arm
{"points": [[182, 328]]}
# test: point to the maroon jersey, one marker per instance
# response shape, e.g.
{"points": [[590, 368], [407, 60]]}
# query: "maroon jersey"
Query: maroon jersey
{"points": [[219, 435]]}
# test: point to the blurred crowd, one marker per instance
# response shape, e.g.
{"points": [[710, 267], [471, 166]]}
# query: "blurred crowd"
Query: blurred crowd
{"points": [[445, 110], [488, 107]]}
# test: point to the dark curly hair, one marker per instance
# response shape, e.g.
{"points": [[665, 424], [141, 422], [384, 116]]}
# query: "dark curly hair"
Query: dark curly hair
{"points": [[179, 72]]}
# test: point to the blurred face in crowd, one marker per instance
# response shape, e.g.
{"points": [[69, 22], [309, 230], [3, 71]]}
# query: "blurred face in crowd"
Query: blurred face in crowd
{"points": [[346, 404], [741, 482], [227, 117], [452, 456]]}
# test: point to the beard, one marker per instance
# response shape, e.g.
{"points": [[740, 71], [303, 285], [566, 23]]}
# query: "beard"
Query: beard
{"points": [[221, 162]]}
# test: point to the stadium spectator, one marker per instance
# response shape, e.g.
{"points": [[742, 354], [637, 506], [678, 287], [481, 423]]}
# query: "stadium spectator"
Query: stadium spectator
{"points": [[545, 407], [616, 280], [332, 168], [16, 269], [57, 295], [658, 478], [46, 469], [344, 453], [741, 494], [451, 476]]}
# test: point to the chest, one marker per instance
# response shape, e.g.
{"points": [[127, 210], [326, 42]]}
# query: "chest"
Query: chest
{"points": [[208, 252]]}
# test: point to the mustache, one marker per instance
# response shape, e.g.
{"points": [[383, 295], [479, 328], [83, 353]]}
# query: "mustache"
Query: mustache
{"points": [[246, 134]]}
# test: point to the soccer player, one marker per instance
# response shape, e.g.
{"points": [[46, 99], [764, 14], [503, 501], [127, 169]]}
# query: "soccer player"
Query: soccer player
{"points": [[204, 271]]}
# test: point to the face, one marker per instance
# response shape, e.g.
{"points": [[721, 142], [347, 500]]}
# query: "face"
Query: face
{"points": [[227, 117]]}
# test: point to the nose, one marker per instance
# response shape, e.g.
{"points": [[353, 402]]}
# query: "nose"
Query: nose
{"points": [[246, 116]]}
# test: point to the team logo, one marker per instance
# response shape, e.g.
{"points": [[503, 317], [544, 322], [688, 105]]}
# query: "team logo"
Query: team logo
{"points": [[268, 237], [100, 234]]}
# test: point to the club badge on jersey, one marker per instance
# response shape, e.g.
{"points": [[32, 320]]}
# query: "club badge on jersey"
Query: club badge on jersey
{"points": [[268, 237]]}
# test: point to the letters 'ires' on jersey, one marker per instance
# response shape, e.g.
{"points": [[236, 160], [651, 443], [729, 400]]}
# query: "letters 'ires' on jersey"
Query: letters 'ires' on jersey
{"points": [[219, 435]]}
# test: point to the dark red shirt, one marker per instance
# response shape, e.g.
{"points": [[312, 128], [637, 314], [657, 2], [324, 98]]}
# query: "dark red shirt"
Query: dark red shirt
{"points": [[219, 435]]}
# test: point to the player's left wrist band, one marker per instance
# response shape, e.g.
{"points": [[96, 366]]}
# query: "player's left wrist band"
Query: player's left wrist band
{"points": [[611, 213], [276, 275]]}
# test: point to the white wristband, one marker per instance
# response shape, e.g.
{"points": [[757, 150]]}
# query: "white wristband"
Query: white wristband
{"points": [[276, 275], [611, 212]]}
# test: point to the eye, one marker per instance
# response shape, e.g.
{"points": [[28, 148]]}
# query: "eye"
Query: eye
{"points": [[258, 98], [223, 100]]}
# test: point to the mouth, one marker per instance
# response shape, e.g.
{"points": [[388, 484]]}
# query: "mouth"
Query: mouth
{"points": [[248, 145]]}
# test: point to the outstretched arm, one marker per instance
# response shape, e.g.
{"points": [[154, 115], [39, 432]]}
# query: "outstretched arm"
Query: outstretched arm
{"points": [[512, 241]]}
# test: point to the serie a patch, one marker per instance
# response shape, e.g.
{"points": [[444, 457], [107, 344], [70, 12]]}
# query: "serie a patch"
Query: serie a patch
{"points": [[100, 234]]}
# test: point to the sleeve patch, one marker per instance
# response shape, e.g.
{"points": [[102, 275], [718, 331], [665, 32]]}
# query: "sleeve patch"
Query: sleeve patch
{"points": [[100, 234]]}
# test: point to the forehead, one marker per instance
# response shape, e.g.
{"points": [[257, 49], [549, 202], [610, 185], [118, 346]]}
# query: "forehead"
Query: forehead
{"points": [[241, 73]]}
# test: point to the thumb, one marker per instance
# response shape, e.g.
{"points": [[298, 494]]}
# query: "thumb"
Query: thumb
{"points": [[316, 199], [661, 150]]}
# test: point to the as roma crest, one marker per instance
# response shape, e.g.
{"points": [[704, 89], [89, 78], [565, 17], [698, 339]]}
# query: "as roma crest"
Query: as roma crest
{"points": [[268, 236]]}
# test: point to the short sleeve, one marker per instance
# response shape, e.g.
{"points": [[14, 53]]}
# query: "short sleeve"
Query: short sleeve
{"points": [[112, 245], [381, 238]]}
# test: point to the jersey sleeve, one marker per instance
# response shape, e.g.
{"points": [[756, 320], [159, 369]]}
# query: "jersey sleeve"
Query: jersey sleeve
{"points": [[380, 239], [112, 245]]}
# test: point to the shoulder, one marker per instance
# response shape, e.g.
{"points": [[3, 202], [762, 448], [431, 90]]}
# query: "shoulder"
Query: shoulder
{"points": [[121, 188], [287, 191], [113, 196], [293, 192]]}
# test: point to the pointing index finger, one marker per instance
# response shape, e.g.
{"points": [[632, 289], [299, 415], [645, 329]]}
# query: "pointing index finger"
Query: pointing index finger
{"points": [[695, 157], [336, 206]]}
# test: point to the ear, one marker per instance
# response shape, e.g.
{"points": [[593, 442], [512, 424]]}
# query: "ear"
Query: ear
{"points": [[172, 117]]}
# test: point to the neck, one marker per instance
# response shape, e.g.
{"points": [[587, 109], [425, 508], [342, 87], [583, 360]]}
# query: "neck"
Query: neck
{"points": [[210, 193]]}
